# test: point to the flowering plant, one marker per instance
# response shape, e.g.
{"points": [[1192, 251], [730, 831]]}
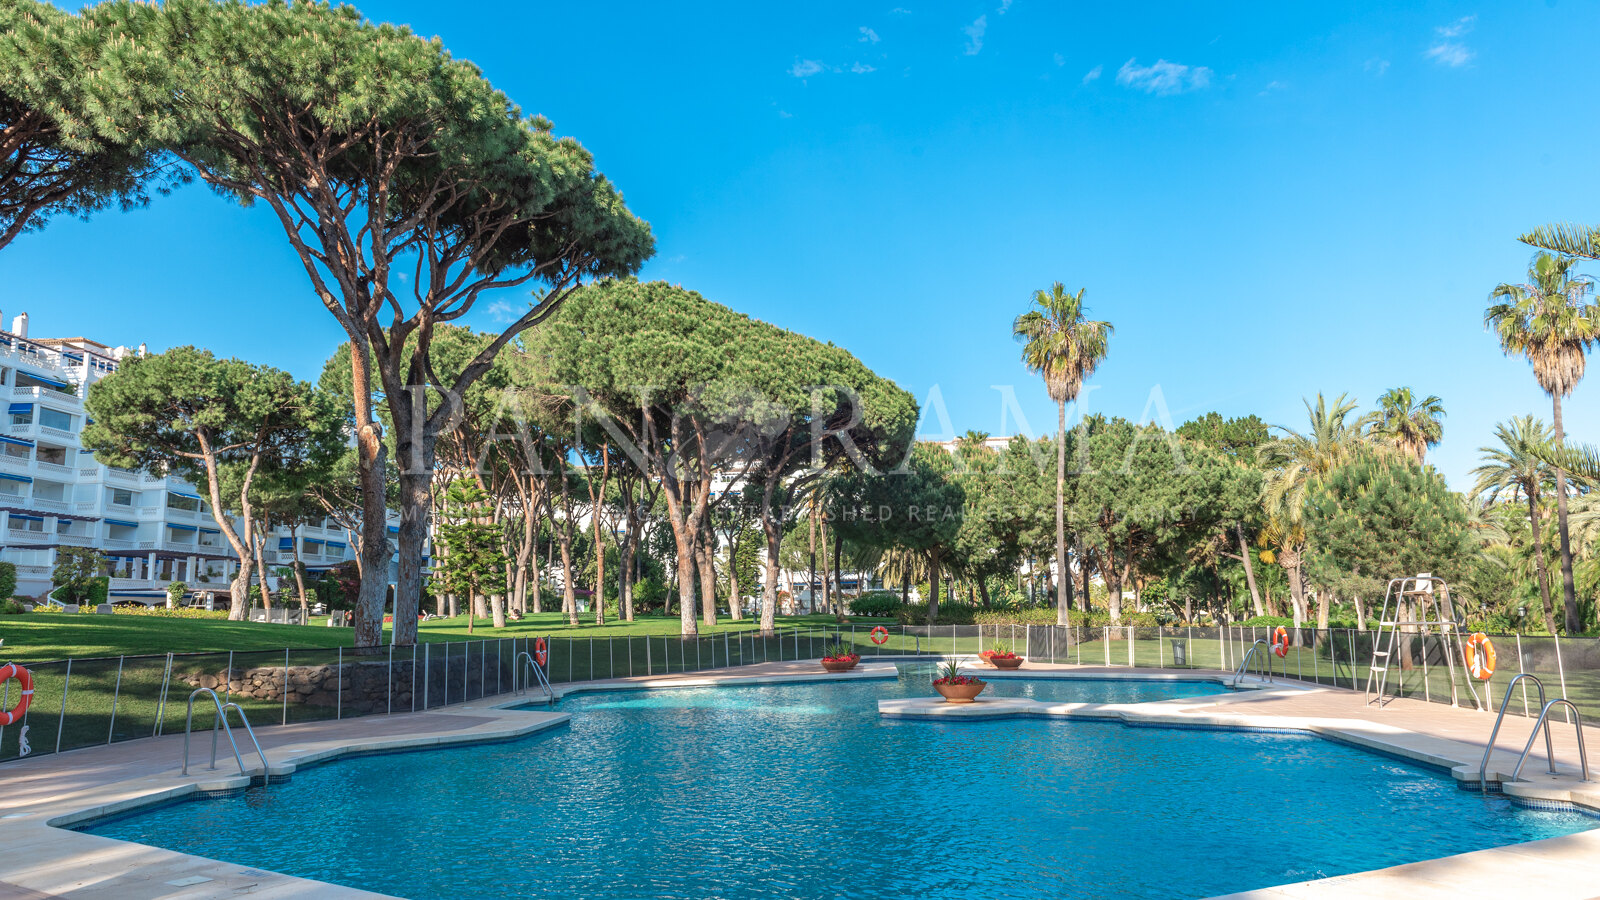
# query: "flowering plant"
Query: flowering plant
{"points": [[1002, 650], [839, 651], [950, 674]]}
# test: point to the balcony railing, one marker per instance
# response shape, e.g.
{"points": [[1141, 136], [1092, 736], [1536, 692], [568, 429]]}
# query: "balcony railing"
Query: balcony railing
{"points": [[115, 544], [56, 468], [80, 540], [41, 503]]}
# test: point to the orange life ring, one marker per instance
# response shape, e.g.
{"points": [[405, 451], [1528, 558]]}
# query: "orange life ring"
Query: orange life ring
{"points": [[24, 678], [1480, 656], [880, 634], [1280, 641], [539, 652]]}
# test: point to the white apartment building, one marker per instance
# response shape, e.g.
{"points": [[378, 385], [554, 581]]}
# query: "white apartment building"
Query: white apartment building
{"points": [[152, 529]]}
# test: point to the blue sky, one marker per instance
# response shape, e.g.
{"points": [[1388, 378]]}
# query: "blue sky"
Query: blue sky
{"points": [[1267, 200]]}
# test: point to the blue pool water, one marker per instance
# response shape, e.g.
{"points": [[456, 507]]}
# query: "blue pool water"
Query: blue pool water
{"points": [[803, 791]]}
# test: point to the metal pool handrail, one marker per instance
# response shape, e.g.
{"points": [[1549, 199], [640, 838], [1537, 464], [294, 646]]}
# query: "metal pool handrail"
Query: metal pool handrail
{"points": [[538, 672], [1244, 664], [1549, 747], [222, 721], [1577, 717]]}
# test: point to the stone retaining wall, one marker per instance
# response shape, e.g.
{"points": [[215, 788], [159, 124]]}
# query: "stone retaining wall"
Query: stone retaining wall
{"points": [[356, 687]]}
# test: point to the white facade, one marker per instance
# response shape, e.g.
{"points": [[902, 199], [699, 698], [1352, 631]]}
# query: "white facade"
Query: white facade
{"points": [[153, 530]]}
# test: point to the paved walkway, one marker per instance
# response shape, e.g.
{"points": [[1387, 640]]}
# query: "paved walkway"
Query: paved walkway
{"points": [[42, 860]]}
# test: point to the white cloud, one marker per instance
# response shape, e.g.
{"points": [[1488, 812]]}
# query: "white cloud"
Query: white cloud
{"points": [[868, 36], [1458, 27], [1448, 51], [899, 11], [1004, 5], [861, 68], [1093, 74], [1163, 78], [1376, 66], [805, 68], [1058, 59], [1271, 86], [501, 311], [974, 34]]}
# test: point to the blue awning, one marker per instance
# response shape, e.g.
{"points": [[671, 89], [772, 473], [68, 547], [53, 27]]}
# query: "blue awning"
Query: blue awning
{"points": [[18, 441], [21, 408], [22, 478], [43, 380], [183, 495], [285, 543], [27, 518], [176, 527], [336, 544], [122, 523], [209, 531], [394, 529]]}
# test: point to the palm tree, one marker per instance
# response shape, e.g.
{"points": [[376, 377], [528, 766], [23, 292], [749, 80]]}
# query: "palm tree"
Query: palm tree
{"points": [[1064, 346], [1515, 472], [1296, 462], [1552, 321], [1413, 426]]}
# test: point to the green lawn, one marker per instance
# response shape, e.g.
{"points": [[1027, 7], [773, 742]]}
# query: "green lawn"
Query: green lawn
{"points": [[37, 637]]}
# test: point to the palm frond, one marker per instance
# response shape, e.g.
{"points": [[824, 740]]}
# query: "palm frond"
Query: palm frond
{"points": [[1566, 237]]}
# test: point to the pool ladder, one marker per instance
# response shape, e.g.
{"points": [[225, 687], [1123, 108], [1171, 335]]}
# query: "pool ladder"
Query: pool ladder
{"points": [[1244, 664], [222, 722], [539, 676], [1543, 722]]}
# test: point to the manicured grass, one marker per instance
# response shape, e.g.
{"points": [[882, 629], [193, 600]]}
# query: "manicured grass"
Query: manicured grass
{"points": [[37, 637]]}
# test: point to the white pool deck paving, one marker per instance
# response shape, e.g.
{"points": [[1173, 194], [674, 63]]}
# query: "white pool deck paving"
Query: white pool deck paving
{"points": [[40, 858]]}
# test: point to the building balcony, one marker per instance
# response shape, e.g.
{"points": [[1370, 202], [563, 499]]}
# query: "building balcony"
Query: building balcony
{"points": [[135, 584], [50, 468], [116, 544], [41, 503], [44, 393], [76, 540]]}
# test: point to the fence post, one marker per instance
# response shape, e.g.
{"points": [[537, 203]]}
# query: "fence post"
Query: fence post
{"points": [[1105, 640], [229, 695], [427, 665], [61, 723], [1131, 663], [338, 700], [116, 693], [649, 667]]}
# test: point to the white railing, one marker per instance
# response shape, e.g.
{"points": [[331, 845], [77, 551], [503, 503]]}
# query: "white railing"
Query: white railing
{"points": [[15, 529], [89, 472], [81, 540], [56, 467], [147, 512], [179, 546], [47, 431], [114, 544], [41, 503], [147, 545]]}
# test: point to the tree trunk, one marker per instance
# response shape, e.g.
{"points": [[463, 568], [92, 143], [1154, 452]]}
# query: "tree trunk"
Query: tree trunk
{"points": [[770, 529], [261, 566], [1084, 559], [1249, 569], [838, 582], [933, 587], [1538, 561], [811, 550], [497, 610], [372, 464], [299, 575], [708, 576], [1361, 614], [1063, 574], [733, 580], [1569, 591]]}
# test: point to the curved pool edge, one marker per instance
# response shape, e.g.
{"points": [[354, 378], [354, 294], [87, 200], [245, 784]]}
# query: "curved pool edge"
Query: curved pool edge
{"points": [[49, 859]]}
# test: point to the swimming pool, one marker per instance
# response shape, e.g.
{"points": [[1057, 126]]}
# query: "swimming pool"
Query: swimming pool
{"points": [[801, 790]]}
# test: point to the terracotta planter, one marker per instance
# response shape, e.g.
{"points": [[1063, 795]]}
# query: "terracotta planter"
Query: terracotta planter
{"points": [[1000, 662], [839, 665], [961, 693]]}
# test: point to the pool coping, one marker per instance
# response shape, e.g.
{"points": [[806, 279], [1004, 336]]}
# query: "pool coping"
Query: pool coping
{"points": [[40, 841]]}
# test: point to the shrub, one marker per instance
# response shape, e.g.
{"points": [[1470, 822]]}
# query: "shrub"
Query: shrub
{"points": [[181, 612], [8, 580], [99, 590], [175, 592], [876, 603], [11, 606]]}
